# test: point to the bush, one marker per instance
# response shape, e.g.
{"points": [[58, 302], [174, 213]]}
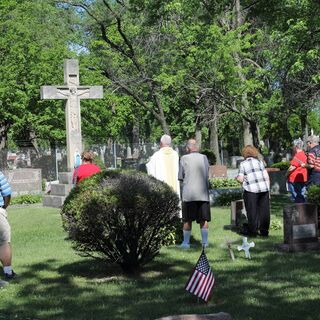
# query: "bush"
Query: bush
{"points": [[219, 183], [313, 195], [225, 199], [210, 155], [283, 165], [26, 199], [123, 217]]}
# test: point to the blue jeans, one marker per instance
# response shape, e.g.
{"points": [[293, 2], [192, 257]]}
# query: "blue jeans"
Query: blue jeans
{"points": [[298, 191]]}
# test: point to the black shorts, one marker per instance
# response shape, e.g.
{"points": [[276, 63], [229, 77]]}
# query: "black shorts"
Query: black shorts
{"points": [[196, 211]]}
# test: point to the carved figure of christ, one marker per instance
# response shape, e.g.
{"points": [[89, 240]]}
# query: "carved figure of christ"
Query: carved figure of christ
{"points": [[72, 92]]}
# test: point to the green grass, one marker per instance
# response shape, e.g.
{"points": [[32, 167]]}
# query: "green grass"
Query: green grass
{"points": [[55, 283]]}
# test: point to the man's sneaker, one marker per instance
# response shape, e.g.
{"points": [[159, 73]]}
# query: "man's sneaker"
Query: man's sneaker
{"points": [[11, 276], [3, 283], [184, 245], [205, 245]]}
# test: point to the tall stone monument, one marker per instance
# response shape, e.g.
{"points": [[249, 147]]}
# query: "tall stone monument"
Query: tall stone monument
{"points": [[72, 92]]}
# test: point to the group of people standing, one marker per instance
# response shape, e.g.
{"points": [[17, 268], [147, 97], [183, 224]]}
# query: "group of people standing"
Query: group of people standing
{"points": [[189, 178], [304, 169]]}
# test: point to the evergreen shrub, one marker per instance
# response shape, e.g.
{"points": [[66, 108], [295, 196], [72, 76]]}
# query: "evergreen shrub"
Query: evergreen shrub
{"points": [[123, 217], [210, 155], [313, 195], [225, 199]]}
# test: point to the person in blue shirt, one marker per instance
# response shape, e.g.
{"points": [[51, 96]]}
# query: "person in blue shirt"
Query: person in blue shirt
{"points": [[5, 230]]}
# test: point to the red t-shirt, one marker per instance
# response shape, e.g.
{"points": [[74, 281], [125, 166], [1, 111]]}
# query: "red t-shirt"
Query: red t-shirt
{"points": [[299, 174], [86, 170]]}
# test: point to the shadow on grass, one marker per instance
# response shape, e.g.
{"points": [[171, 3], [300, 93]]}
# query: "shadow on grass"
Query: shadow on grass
{"points": [[272, 285]]}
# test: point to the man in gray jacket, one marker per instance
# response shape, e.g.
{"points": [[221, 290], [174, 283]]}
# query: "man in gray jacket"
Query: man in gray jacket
{"points": [[194, 175]]}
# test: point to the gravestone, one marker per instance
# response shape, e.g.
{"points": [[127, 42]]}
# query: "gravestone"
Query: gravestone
{"points": [[238, 213], [72, 92], [217, 171], [300, 226], [235, 161], [25, 181]]}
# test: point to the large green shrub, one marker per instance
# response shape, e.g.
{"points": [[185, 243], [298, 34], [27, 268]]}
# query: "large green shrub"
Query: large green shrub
{"points": [[123, 217], [313, 195], [210, 155]]}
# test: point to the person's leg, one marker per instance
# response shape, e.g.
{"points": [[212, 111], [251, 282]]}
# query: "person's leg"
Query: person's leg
{"points": [[264, 213], [6, 255], [292, 191], [204, 232], [187, 226], [250, 202], [5, 246], [300, 193]]}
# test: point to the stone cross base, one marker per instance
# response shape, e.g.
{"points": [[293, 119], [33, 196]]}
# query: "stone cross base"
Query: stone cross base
{"points": [[213, 316], [299, 247], [59, 191]]}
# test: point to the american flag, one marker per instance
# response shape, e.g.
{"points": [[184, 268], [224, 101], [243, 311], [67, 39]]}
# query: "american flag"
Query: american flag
{"points": [[201, 280]]}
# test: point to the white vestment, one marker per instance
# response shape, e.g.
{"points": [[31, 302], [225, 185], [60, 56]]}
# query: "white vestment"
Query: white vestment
{"points": [[164, 166]]}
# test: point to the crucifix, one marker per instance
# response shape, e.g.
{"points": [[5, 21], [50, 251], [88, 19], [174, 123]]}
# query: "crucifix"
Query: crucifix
{"points": [[72, 92], [246, 247]]}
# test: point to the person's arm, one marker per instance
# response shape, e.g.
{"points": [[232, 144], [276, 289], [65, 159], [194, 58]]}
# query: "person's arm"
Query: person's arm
{"points": [[181, 171], [240, 176], [6, 200]]}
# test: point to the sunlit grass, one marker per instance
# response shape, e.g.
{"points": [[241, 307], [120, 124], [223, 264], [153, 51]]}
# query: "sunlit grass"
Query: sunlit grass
{"points": [[56, 283]]}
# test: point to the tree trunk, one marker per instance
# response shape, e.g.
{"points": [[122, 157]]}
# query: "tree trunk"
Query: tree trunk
{"points": [[199, 137], [247, 134], [214, 140]]}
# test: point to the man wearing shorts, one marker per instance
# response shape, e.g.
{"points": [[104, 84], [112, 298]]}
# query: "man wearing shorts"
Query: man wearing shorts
{"points": [[5, 230], [194, 175]]}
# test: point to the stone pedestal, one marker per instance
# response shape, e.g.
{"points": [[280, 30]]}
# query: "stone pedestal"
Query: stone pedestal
{"points": [[300, 226], [59, 191]]}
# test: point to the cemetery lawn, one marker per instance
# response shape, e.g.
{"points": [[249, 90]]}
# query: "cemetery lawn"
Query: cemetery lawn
{"points": [[55, 283]]}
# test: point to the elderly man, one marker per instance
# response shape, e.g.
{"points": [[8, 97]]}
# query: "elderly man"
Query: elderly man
{"points": [[5, 230], [194, 175], [313, 160], [164, 164]]}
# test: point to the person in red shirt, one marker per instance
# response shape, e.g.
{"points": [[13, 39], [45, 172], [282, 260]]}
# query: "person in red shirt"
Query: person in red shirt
{"points": [[86, 169], [297, 173]]}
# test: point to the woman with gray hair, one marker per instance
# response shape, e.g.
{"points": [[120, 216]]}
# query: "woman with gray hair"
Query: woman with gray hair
{"points": [[297, 173]]}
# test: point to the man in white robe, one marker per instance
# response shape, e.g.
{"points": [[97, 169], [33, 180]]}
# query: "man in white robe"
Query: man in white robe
{"points": [[164, 164]]}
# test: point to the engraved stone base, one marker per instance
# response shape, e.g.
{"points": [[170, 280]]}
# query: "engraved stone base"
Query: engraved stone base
{"points": [[298, 247], [53, 201]]}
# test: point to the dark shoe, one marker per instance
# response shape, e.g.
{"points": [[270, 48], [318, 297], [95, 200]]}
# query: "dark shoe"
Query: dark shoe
{"points": [[11, 276], [263, 234]]}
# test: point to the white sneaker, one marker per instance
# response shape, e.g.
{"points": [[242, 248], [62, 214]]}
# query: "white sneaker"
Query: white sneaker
{"points": [[3, 283], [184, 245], [205, 245]]}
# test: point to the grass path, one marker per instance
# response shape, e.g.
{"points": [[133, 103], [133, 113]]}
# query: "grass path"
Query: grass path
{"points": [[55, 283]]}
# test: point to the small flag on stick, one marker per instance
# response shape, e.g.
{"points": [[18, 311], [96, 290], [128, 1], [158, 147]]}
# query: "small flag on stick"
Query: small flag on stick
{"points": [[201, 280]]}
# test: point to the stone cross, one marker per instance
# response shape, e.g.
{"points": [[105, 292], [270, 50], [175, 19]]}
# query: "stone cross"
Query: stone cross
{"points": [[72, 92], [246, 247]]}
